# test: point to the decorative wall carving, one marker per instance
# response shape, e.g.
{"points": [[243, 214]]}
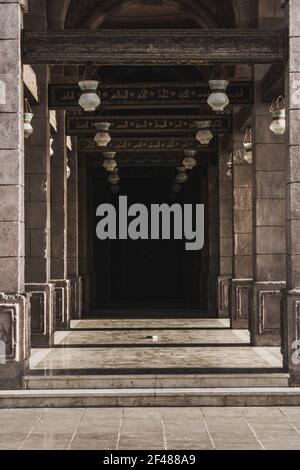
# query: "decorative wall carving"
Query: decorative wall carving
{"points": [[269, 312], [8, 330], [148, 144]]}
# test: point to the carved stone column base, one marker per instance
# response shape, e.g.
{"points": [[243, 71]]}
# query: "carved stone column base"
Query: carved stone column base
{"points": [[290, 324], [14, 339], [62, 290], [42, 314], [76, 297], [223, 296], [239, 303], [265, 313]]}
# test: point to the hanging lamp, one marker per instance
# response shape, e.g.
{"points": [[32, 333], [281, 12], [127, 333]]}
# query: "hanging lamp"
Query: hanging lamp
{"points": [[204, 135], [102, 138], [189, 161], [89, 99], [278, 124], [181, 177], [218, 99], [248, 145], [28, 115]]}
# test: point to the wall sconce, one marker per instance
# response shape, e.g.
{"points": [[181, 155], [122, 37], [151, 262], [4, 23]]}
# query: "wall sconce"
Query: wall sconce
{"points": [[28, 115], [51, 151], [277, 110], [248, 145]]}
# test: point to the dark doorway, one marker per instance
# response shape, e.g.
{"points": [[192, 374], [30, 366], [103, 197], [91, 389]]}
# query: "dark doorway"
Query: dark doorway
{"points": [[148, 273]]}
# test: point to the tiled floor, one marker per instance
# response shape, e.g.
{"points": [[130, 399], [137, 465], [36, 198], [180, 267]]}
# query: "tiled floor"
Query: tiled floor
{"points": [[128, 344], [151, 428]]}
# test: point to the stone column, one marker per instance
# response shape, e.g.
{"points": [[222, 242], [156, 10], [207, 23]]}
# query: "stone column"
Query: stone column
{"points": [[242, 236], [59, 224], [225, 227], [83, 232], [37, 214], [268, 223], [72, 242], [291, 296], [213, 235], [14, 304]]}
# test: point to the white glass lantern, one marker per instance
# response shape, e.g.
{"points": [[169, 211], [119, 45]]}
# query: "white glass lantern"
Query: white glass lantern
{"points": [[89, 100], [51, 151], [102, 138], [189, 161], [218, 100], [115, 188], [248, 146], [204, 135], [181, 177], [176, 188], [110, 165], [278, 124], [28, 129], [28, 115], [114, 178], [229, 164], [109, 155]]}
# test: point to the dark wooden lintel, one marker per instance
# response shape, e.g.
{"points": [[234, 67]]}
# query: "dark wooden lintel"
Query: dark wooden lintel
{"points": [[84, 126], [154, 47], [147, 144], [149, 95]]}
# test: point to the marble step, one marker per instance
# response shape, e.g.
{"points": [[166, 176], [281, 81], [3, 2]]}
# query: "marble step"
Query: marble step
{"points": [[172, 397], [36, 382]]}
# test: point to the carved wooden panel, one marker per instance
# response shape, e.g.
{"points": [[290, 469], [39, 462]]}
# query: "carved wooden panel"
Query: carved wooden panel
{"points": [[147, 144], [152, 47], [132, 95], [156, 125]]}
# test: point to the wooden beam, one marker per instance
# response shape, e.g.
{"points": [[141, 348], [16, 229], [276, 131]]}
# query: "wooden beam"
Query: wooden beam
{"points": [[154, 47], [146, 160], [147, 144], [151, 125], [273, 83], [149, 95]]}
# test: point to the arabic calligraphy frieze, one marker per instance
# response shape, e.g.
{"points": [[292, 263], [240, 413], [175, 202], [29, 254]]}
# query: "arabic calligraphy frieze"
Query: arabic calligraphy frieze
{"points": [[164, 144], [130, 95], [85, 126]]}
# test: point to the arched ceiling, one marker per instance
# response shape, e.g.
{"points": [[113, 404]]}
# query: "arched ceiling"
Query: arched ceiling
{"points": [[95, 14]]}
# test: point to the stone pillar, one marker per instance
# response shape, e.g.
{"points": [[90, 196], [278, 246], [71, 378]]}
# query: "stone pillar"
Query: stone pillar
{"points": [[291, 296], [59, 224], [242, 236], [14, 304], [225, 227], [37, 214], [269, 224], [213, 235], [72, 242], [83, 232]]}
